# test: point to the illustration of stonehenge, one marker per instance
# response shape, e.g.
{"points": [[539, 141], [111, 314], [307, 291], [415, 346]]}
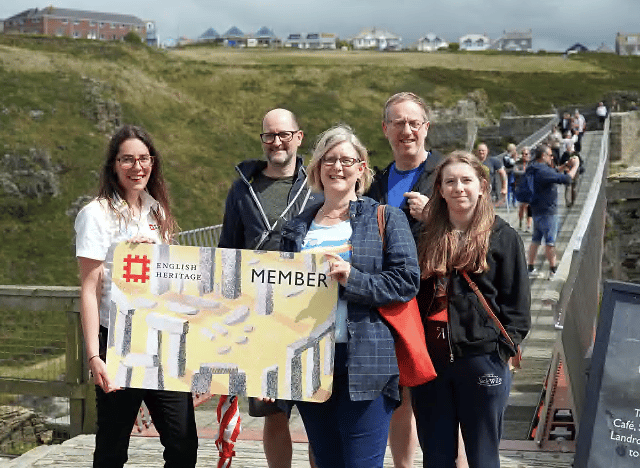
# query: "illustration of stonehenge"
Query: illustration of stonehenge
{"points": [[307, 360]]}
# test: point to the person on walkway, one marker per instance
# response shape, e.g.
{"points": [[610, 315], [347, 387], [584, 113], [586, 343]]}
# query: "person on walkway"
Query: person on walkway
{"points": [[132, 205], [463, 242], [495, 166], [566, 162], [406, 183], [509, 162], [524, 210], [601, 113], [268, 193], [351, 428], [544, 207]]}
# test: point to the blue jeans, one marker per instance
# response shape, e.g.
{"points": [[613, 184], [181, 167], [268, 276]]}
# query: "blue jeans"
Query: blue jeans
{"points": [[471, 392], [345, 433]]}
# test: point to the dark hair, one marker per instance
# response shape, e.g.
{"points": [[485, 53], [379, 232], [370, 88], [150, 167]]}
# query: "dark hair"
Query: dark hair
{"points": [[156, 187], [540, 151]]}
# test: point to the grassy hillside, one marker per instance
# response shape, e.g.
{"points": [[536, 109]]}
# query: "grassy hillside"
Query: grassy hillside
{"points": [[204, 107]]}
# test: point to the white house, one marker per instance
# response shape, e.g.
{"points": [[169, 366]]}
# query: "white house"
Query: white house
{"points": [[311, 41], [380, 39], [627, 44], [431, 42], [474, 42], [264, 37]]}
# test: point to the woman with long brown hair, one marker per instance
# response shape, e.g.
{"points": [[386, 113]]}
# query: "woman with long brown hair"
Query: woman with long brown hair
{"points": [[465, 244], [132, 205]]}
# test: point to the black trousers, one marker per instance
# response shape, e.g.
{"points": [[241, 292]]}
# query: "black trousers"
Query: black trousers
{"points": [[172, 414]]}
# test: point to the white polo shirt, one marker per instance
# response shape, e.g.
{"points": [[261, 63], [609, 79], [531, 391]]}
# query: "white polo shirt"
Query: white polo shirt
{"points": [[99, 228]]}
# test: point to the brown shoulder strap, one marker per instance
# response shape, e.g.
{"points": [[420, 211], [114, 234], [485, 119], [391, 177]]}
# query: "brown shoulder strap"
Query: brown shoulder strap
{"points": [[484, 302], [382, 223]]}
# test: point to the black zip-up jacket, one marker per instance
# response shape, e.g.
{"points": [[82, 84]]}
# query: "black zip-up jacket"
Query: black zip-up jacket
{"points": [[245, 224], [379, 187], [505, 286]]}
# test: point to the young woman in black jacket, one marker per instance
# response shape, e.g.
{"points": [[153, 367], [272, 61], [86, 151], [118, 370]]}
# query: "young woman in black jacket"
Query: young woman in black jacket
{"points": [[463, 236]]}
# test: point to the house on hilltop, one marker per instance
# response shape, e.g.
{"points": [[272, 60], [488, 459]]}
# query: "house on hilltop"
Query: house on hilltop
{"points": [[264, 37], [311, 41], [379, 39], [474, 42], [79, 24], [234, 37], [627, 44], [210, 35], [431, 42], [521, 41]]}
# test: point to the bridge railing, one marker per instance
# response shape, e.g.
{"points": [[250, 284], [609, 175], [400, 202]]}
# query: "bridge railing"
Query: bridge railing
{"points": [[201, 237], [574, 294], [42, 352]]}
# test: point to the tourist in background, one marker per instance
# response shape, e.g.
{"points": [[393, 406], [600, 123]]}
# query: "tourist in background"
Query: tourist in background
{"points": [[351, 428], [496, 168], [132, 205], [524, 210], [509, 162], [462, 235], [544, 207], [601, 113], [568, 159]]}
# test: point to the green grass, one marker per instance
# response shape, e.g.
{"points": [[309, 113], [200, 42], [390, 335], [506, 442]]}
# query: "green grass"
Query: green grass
{"points": [[32, 344], [204, 106]]}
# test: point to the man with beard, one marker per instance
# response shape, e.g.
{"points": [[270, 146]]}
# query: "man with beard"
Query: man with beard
{"points": [[268, 193]]}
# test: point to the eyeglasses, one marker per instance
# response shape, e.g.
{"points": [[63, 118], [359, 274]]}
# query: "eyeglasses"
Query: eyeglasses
{"points": [[413, 124], [269, 138], [127, 162], [344, 162]]}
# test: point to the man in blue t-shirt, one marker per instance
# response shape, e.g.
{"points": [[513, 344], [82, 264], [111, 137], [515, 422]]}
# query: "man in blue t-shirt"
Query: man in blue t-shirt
{"points": [[406, 183]]}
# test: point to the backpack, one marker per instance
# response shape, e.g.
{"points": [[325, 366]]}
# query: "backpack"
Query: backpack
{"points": [[524, 190]]}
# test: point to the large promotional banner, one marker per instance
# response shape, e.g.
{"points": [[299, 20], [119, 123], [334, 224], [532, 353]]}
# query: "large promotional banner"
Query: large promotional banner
{"points": [[227, 321]]}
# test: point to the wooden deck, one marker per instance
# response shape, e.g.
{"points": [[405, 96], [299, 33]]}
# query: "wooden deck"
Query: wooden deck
{"points": [[146, 452]]}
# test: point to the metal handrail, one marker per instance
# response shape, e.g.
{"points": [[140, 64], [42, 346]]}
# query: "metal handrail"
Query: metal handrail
{"points": [[201, 237]]}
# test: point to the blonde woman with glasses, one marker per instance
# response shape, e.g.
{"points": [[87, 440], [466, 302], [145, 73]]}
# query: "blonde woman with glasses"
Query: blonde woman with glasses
{"points": [[351, 428]]}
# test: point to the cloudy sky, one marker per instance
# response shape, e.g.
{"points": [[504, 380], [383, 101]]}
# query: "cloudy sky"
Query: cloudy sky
{"points": [[555, 24]]}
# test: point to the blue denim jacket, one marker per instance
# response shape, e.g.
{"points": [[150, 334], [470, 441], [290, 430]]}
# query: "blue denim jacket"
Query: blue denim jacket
{"points": [[376, 278]]}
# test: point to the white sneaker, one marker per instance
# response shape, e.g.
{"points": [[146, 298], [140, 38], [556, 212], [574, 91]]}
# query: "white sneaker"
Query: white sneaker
{"points": [[534, 273], [552, 275]]}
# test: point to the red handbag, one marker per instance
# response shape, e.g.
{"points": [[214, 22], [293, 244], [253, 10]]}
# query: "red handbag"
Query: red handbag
{"points": [[404, 318]]}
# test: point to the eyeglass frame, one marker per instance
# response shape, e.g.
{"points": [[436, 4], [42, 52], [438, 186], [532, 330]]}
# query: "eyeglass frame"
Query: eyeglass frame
{"points": [[136, 160], [277, 134], [400, 123], [324, 162]]}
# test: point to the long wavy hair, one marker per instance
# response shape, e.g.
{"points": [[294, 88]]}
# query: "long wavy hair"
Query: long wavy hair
{"points": [[110, 188], [442, 249]]}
